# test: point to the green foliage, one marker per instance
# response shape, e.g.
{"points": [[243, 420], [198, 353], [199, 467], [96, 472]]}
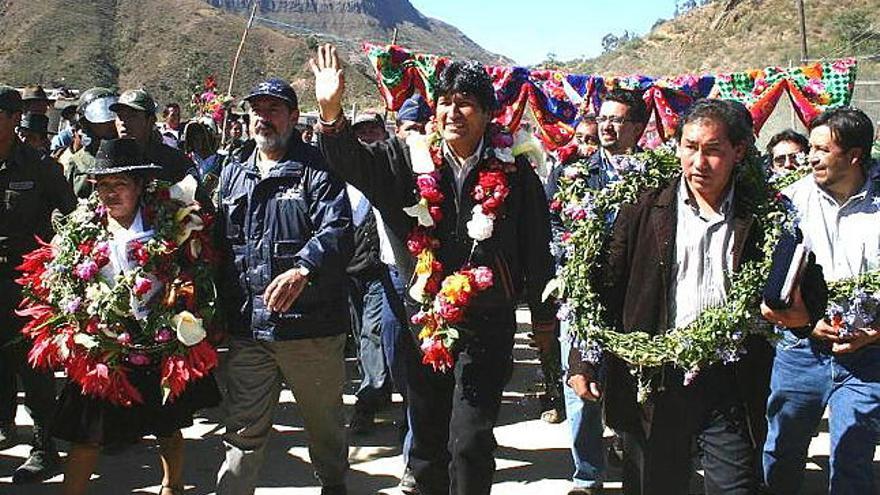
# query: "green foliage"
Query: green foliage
{"points": [[854, 32], [719, 332]]}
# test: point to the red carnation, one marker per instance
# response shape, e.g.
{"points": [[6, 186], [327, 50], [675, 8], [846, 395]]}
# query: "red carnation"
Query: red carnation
{"points": [[433, 196], [491, 205], [86, 247], [436, 213], [437, 355], [556, 205], [138, 252], [450, 312]]}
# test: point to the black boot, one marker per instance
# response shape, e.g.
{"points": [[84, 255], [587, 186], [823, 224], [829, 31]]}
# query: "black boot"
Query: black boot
{"points": [[8, 436], [43, 461]]}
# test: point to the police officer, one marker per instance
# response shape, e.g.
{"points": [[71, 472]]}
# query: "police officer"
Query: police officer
{"points": [[96, 123], [136, 119], [32, 189], [285, 224]]}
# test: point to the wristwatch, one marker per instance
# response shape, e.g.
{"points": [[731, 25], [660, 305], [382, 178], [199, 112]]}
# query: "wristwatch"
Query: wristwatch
{"points": [[302, 270]]}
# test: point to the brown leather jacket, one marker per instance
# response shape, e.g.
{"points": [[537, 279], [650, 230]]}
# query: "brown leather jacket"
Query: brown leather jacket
{"points": [[635, 289]]}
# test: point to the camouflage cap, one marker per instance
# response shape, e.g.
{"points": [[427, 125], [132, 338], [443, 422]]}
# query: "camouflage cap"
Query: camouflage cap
{"points": [[137, 99], [10, 99]]}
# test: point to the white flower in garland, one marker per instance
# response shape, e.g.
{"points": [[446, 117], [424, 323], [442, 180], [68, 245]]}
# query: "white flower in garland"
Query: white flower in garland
{"points": [[504, 154], [480, 226]]}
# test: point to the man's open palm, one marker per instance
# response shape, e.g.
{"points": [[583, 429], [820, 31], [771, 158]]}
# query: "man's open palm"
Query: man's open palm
{"points": [[329, 82]]}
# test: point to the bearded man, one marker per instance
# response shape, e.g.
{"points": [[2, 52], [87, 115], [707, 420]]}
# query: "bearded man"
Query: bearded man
{"points": [[285, 225]]}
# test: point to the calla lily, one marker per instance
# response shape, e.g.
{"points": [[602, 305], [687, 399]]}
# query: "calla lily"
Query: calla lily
{"points": [[189, 328], [185, 190], [190, 223], [422, 163], [422, 212], [417, 291]]}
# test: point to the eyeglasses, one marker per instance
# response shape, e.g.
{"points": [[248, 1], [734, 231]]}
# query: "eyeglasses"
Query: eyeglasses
{"points": [[613, 120], [796, 158]]}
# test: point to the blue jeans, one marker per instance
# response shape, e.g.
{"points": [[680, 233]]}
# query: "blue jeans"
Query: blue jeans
{"points": [[585, 421], [806, 378], [366, 304], [395, 335]]}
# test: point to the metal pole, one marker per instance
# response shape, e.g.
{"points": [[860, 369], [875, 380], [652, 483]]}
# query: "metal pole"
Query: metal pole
{"points": [[803, 25]]}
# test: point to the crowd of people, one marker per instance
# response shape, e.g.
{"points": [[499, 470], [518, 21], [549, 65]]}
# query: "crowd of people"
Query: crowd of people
{"points": [[417, 242]]}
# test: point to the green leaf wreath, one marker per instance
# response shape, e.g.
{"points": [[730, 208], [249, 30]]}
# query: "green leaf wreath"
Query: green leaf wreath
{"points": [[719, 332]]}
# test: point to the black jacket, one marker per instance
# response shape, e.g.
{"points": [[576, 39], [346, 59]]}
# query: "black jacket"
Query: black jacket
{"points": [[366, 262], [635, 293], [33, 189], [297, 216], [518, 251]]}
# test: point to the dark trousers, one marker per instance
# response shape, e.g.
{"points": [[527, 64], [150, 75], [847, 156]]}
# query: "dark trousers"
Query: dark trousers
{"points": [[660, 463], [39, 387], [453, 413], [365, 303]]}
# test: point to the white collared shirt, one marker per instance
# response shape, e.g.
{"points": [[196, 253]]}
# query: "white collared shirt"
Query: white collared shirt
{"points": [[703, 258], [461, 170], [844, 237]]}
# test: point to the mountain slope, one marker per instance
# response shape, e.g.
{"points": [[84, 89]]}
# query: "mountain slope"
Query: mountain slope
{"points": [[352, 21], [750, 34], [167, 46]]}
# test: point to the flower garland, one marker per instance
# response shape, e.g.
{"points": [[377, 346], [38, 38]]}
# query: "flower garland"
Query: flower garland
{"points": [[718, 333], [444, 300], [97, 326], [854, 302]]}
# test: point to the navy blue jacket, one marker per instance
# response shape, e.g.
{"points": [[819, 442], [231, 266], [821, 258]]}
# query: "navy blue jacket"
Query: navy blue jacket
{"points": [[299, 215]]}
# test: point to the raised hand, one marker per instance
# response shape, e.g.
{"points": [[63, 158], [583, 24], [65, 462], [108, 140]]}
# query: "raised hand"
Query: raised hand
{"points": [[329, 82]]}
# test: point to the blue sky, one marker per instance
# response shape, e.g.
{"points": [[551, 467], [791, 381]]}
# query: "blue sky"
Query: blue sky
{"points": [[527, 30]]}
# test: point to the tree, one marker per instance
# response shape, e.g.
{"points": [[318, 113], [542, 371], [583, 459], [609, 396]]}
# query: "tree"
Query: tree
{"points": [[610, 42]]}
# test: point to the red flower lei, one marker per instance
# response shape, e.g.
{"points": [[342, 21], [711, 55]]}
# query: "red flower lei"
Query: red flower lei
{"points": [[445, 300], [79, 323]]}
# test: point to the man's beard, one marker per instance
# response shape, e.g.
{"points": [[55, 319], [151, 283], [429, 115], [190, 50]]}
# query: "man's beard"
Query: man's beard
{"points": [[273, 142]]}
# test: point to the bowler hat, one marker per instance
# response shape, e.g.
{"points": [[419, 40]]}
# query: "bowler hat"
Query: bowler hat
{"points": [[34, 93], [35, 122], [118, 156]]}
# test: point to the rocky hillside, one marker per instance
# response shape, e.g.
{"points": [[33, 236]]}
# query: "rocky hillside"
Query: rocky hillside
{"points": [[747, 34], [170, 46], [352, 21]]}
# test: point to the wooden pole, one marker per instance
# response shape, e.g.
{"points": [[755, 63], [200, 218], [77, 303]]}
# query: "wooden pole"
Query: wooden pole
{"points": [[247, 29], [803, 25]]}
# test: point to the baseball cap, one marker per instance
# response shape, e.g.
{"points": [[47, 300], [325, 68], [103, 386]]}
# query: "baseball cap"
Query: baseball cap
{"points": [[369, 118], [414, 109], [275, 87], [10, 99], [137, 99]]}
